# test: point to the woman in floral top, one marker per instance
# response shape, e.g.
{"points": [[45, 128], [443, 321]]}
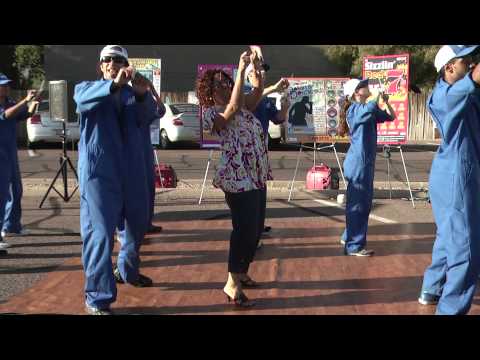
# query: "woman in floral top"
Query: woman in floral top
{"points": [[243, 170]]}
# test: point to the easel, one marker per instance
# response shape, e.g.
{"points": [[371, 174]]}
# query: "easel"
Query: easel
{"points": [[210, 159], [387, 154], [315, 149]]}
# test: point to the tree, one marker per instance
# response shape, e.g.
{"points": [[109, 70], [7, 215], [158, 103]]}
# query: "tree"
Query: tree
{"points": [[422, 71], [28, 61], [6, 61]]}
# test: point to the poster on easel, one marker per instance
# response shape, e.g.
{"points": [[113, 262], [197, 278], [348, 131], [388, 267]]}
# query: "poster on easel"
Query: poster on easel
{"points": [[152, 70], [314, 110], [207, 139], [390, 74]]}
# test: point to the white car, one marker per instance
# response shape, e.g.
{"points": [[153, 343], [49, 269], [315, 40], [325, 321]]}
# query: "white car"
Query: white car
{"points": [[180, 123], [41, 129]]}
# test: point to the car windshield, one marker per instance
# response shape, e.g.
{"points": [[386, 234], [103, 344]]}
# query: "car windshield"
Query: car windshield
{"points": [[44, 106], [184, 108]]}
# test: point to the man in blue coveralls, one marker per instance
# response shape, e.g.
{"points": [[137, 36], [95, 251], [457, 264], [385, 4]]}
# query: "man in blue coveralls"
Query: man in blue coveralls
{"points": [[10, 180], [150, 164], [267, 111], [450, 281], [112, 176], [150, 171]]}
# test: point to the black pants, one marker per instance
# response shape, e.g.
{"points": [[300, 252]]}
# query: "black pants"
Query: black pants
{"points": [[245, 210], [263, 209]]}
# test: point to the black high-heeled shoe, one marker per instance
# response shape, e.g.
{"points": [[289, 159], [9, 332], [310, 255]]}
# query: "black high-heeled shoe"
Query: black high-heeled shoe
{"points": [[249, 283], [240, 301]]}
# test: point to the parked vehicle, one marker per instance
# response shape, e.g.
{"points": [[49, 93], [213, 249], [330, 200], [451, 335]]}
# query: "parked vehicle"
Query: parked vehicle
{"points": [[40, 128], [180, 123]]}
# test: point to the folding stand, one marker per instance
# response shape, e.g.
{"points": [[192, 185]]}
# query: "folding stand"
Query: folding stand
{"points": [[64, 161], [315, 149], [210, 159], [387, 153]]}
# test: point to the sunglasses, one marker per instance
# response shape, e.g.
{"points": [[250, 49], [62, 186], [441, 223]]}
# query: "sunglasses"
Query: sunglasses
{"points": [[115, 59]]}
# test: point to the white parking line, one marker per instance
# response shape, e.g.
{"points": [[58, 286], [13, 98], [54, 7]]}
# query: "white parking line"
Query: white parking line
{"points": [[372, 216]]}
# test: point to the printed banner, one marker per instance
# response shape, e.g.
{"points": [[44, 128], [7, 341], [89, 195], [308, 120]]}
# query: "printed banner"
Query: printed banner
{"points": [[207, 140], [390, 74], [152, 70], [314, 110]]}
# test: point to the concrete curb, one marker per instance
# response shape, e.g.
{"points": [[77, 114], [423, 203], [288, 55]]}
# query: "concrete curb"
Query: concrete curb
{"points": [[42, 184]]}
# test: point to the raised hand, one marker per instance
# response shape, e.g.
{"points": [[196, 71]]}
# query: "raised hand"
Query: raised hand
{"points": [[141, 84], [123, 77], [282, 85], [255, 60], [244, 61], [32, 94]]}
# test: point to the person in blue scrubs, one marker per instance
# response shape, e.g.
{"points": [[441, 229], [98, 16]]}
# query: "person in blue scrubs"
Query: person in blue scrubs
{"points": [[150, 169], [10, 180], [112, 176], [12, 225], [267, 111], [150, 164], [451, 279], [359, 118]]}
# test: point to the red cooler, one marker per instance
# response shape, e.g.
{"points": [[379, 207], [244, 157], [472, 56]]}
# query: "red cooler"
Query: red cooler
{"points": [[168, 176]]}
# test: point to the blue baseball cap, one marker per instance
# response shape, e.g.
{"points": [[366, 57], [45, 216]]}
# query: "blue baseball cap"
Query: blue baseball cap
{"points": [[450, 52], [4, 80]]}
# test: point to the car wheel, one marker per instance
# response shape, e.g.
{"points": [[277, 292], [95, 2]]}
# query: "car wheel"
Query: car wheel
{"points": [[32, 145], [165, 142]]}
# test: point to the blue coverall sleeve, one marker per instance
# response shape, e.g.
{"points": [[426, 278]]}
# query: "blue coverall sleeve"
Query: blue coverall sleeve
{"points": [[460, 90], [161, 110], [382, 116], [2, 116], [147, 110], [272, 115], [22, 115], [364, 112], [451, 99], [90, 94]]}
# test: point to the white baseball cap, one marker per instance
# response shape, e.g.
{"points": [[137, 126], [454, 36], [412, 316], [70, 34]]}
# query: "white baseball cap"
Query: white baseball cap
{"points": [[352, 85], [114, 50], [450, 52]]}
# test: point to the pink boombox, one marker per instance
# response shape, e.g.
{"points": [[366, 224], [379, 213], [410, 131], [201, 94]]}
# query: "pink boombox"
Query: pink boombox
{"points": [[321, 177]]}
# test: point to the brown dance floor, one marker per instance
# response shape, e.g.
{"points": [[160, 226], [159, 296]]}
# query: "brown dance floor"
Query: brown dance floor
{"points": [[301, 268]]}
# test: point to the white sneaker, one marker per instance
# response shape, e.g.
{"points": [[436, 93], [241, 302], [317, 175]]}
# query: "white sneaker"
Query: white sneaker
{"points": [[4, 245], [260, 244], [91, 310], [22, 232]]}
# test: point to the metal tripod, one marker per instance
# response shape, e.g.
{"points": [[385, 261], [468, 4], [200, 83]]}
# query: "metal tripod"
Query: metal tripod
{"points": [[387, 154], [64, 163]]}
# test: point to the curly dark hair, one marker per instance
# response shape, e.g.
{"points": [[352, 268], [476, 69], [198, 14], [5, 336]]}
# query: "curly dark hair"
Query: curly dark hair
{"points": [[343, 128], [205, 86]]}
